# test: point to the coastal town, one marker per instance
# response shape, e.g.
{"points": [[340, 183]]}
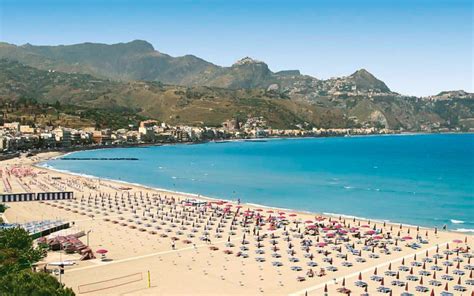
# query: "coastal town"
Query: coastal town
{"points": [[16, 137]]}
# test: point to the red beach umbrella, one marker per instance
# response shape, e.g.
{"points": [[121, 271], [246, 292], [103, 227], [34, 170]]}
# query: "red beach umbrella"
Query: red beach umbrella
{"points": [[101, 251]]}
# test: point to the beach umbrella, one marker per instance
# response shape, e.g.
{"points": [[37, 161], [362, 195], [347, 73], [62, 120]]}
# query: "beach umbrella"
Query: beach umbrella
{"points": [[421, 280], [406, 286], [390, 266], [360, 276], [446, 288], [325, 288], [101, 251], [432, 292], [343, 282], [375, 271]]}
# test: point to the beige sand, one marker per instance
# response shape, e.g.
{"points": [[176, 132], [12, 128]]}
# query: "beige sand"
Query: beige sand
{"points": [[195, 269]]}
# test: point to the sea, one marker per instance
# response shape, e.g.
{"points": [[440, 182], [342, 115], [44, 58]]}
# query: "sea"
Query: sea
{"points": [[425, 180]]}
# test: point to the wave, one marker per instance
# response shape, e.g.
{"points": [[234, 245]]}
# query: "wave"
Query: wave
{"points": [[374, 220], [185, 194], [471, 230], [456, 221], [353, 217]]}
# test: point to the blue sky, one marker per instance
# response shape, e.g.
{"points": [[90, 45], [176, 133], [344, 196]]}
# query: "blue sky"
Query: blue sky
{"points": [[417, 47]]}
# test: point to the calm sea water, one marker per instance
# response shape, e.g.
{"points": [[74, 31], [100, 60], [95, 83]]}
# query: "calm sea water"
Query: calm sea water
{"points": [[421, 179]]}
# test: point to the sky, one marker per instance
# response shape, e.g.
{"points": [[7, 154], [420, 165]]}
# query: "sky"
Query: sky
{"points": [[417, 47]]}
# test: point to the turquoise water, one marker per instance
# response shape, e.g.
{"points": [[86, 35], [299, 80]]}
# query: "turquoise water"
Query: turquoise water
{"points": [[421, 179]]}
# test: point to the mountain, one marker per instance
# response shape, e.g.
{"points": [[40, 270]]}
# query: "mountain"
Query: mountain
{"points": [[210, 106], [138, 60], [366, 81], [198, 105], [453, 94]]}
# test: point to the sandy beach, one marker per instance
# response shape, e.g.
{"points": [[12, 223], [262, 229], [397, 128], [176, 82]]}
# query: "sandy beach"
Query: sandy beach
{"points": [[222, 248]]}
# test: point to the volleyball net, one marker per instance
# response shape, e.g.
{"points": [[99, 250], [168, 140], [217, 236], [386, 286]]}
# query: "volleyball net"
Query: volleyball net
{"points": [[110, 283]]}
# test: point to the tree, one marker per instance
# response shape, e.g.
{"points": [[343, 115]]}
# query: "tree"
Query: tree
{"points": [[31, 283], [3, 208], [17, 251], [17, 256]]}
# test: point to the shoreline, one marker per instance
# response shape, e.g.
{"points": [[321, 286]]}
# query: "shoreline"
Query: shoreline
{"points": [[198, 196], [144, 229], [67, 151]]}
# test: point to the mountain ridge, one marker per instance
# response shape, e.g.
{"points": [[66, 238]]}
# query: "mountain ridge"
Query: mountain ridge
{"points": [[138, 60], [210, 106]]}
